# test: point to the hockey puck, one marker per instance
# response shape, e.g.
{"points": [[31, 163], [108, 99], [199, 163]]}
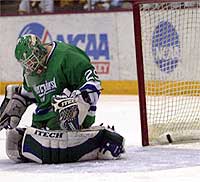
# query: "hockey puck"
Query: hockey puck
{"points": [[169, 138]]}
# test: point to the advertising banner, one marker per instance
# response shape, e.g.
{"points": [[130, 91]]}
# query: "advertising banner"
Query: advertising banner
{"points": [[107, 38]]}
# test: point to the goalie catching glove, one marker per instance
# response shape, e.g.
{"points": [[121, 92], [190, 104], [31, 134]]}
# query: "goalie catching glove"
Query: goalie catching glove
{"points": [[68, 107], [12, 108]]}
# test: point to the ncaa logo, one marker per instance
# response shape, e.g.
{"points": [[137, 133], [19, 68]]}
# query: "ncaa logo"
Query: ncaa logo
{"points": [[166, 47], [37, 29]]}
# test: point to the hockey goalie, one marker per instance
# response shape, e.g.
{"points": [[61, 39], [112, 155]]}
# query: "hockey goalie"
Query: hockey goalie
{"points": [[60, 79]]}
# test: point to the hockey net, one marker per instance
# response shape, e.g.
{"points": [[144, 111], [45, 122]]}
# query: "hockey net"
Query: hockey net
{"points": [[168, 62]]}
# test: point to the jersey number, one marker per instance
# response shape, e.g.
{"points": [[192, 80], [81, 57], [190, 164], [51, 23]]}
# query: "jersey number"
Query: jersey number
{"points": [[91, 75]]}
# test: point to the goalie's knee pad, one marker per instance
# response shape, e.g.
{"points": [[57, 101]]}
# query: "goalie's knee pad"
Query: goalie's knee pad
{"points": [[13, 144]]}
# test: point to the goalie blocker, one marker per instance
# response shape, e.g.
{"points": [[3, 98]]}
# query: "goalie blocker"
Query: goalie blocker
{"points": [[13, 107], [41, 146]]}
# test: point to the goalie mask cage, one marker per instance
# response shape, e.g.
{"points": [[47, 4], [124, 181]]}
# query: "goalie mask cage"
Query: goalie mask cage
{"points": [[167, 42]]}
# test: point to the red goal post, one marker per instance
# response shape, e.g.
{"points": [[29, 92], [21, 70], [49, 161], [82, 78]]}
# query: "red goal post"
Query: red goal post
{"points": [[167, 43]]}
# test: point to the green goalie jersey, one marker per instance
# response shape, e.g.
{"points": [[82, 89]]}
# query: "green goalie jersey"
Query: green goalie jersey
{"points": [[67, 67]]}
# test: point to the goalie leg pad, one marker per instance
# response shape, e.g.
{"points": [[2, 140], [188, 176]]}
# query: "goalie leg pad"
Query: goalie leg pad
{"points": [[61, 146], [70, 146], [13, 144]]}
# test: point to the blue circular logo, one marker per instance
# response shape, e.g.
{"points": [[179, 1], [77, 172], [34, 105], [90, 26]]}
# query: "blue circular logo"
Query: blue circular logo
{"points": [[37, 29], [166, 47]]}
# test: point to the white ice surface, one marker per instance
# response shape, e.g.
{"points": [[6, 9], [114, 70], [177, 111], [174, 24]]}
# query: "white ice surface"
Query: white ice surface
{"points": [[171, 163]]}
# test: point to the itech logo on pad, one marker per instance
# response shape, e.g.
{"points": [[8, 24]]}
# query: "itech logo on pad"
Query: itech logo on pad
{"points": [[166, 47], [37, 29]]}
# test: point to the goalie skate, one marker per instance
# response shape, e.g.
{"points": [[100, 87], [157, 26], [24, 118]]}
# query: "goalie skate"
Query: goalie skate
{"points": [[112, 145]]}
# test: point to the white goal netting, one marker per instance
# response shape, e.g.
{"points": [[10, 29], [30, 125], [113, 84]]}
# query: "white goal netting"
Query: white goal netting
{"points": [[171, 55]]}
